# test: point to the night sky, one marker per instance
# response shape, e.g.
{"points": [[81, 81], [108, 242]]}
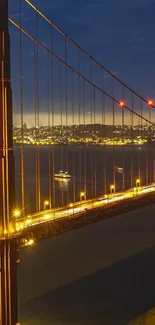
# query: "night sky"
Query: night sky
{"points": [[118, 33]]}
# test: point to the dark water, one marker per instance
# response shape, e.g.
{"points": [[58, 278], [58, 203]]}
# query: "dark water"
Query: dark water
{"points": [[92, 170], [100, 274]]}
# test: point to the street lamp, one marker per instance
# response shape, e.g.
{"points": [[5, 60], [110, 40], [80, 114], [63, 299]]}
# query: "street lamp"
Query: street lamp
{"points": [[16, 213], [30, 242], [46, 217], [82, 195], [137, 182], [46, 205], [112, 188]]}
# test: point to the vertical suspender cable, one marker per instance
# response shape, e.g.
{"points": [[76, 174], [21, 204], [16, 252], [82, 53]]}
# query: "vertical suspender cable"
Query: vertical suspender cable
{"points": [[113, 136], [95, 140], [92, 155], [150, 137], [73, 152], [123, 165], [104, 135], [52, 113], [21, 110], [49, 145], [147, 165], [61, 117], [85, 149], [79, 112], [152, 160], [37, 119], [132, 135], [38, 203], [66, 95], [141, 128]]}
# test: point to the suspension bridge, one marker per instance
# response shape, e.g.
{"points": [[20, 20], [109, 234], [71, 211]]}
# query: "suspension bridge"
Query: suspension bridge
{"points": [[81, 147]]}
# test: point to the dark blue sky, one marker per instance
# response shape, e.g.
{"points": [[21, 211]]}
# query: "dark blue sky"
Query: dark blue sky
{"points": [[118, 33]]}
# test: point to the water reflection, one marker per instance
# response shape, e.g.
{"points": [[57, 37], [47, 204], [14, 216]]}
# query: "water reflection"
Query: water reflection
{"points": [[62, 183]]}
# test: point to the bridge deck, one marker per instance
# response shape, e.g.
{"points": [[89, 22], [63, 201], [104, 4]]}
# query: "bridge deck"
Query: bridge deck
{"points": [[67, 220]]}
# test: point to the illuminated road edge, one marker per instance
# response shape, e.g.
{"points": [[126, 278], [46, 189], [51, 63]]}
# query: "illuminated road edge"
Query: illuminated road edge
{"points": [[73, 210]]}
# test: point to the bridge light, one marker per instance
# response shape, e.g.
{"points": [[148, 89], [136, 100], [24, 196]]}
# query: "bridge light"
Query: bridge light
{"points": [[150, 102], [82, 195], [71, 205], [121, 103], [137, 182], [28, 221], [112, 188], [46, 205], [21, 226], [30, 242], [46, 217], [16, 213]]}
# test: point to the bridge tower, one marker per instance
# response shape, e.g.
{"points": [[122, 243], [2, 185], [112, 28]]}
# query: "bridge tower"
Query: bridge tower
{"points": [[8, 267]]}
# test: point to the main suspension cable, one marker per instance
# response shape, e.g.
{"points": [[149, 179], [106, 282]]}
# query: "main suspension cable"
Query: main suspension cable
{"points": [[84, 52], [75, 71]]}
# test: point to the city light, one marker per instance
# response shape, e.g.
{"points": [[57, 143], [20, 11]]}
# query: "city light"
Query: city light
{"points": [[71, 205], [83, 134]]}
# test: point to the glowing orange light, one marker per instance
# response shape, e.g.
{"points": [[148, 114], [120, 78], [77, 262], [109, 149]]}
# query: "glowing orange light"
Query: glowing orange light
{"points": [[30, 242], [121, 103], [150, 102], [16, 213]]}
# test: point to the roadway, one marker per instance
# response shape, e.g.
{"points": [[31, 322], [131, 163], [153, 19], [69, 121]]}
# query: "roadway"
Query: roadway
{"points": [[74, 209]]}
